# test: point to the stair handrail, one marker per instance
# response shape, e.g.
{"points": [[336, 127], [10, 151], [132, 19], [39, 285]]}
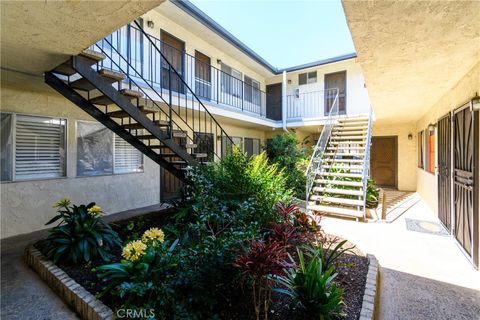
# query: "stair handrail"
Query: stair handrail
{"points": [[182, 80], [137, 74], [315, 163], [366, 163]]}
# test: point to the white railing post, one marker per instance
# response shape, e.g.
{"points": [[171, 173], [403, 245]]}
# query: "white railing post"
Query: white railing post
{"points": [[284, 100]]}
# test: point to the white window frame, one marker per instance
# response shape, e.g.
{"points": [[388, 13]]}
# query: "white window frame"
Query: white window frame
{"points": [[14, 142], [114, 171]]}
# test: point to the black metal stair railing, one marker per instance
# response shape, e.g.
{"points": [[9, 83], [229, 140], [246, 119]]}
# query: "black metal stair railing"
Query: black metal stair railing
{"points": [[175, 100]]}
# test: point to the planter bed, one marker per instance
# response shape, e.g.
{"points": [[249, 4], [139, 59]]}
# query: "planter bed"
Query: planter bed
{"points": [[352, 274]]}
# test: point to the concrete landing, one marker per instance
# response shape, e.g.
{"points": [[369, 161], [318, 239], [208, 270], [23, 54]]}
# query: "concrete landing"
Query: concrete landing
{"points": [[422, 275]]}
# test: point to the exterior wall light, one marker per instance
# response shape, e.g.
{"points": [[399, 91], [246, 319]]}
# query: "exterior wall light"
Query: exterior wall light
{"points": [[289, 81], [150, 24], [410, 136], [431, 127], [219, 61], [476, 103]]}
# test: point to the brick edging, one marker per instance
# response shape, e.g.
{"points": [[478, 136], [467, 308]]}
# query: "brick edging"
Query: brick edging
{"points": [[80, 300], [369, 297]]}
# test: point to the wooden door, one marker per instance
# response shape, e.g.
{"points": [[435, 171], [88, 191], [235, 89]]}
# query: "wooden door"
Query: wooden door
{"points": [[171, 186], [465, 180], [274, 101], [383, 161], [444, 170], [336, 80], [203, 74], [173, 49]]}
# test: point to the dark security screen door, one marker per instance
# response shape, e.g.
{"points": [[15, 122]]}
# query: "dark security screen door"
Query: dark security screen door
{"points": [[332, 81], [444, 170], [274, 101], [465, 180]]}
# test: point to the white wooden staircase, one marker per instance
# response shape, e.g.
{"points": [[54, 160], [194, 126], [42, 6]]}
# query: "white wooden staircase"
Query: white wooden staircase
{"points": [[339, 169]]}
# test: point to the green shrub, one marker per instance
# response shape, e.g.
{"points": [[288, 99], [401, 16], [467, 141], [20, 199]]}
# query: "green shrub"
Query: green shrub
{"points": [[312, 288], [328, 251], [283, 150], [81, 234]]}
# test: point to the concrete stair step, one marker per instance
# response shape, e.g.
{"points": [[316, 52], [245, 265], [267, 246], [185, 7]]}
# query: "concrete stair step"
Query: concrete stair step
{"points": [[340, 182], [338, 174], [330, 160], [343, 201], [136, 126], [349, 192], [107, 75], [336, 211], [346, 167], [345, 148], [350, 154], [347, 143], [348, 133], [123, 114], [353, 138]]}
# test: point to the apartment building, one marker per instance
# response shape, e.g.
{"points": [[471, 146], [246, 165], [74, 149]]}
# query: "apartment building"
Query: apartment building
{"points": [[157, 54]]}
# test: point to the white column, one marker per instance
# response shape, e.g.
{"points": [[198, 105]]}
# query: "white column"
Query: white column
{"points": [[284, 100]]}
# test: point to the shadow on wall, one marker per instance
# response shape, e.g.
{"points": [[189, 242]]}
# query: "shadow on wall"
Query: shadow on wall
{"points": [[410, 297]]}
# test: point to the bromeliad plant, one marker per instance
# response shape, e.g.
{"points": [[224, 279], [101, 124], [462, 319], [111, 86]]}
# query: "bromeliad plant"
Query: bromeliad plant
{"points": [[328, 251], [258, 266], [312, 288], [81, 235]]}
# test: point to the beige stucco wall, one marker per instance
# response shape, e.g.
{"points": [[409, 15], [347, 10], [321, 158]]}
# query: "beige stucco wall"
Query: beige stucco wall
{"points": [[27, 205], [406, 149], [460, 94]]}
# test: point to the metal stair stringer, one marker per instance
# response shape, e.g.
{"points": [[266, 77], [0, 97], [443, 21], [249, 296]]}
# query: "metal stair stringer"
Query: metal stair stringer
{"points": [[93, 111], [81, 66]]}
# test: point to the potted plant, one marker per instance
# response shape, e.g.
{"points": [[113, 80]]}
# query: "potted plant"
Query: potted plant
{"points": [[372, 195]]}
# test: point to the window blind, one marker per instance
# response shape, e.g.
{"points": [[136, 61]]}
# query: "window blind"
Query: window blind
{"points": [[39, 147], [127, 157]]}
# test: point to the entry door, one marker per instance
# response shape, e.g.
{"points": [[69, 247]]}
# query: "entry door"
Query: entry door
{"points": [[336, 80], [274, 101], [465, 180], [444, 170], [203, 84], [170, 187], [173, 49], [383, 161]]}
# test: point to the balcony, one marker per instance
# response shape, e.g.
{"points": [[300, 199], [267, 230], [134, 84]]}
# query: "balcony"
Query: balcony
{"points": [[208, 83], [311, 105]]}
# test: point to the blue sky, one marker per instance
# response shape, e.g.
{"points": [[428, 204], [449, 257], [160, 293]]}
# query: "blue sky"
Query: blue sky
{"points": [[284, 32]]}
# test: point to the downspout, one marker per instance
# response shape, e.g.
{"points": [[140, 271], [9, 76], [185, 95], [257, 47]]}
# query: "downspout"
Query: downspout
{"points": [[284, 100]]}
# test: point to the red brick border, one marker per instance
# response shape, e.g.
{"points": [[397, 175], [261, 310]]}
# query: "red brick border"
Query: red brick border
{"points": [[80, 300]]}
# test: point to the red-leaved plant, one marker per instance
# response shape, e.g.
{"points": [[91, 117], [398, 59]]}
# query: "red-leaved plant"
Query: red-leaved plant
{"points": [[284, 233], [258, 266], [287, 212]]}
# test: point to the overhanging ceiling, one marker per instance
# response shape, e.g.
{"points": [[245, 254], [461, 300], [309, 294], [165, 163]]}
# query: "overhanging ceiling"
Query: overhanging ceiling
{"points": [[413, 52]]}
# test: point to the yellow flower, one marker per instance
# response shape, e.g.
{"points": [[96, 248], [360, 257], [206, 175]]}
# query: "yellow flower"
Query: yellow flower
{"points": [[134, 250], [153, 234], [63, 203], [95, 211]]}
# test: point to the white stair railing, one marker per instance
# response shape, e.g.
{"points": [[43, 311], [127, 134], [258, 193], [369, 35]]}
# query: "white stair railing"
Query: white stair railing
{"points": [[315, 163], [366, 163]]}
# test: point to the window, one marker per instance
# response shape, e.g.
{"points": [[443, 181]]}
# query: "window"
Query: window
{"points": [[204, 142], [231, 81], [32, 147], [252, 91], [227, 144], [421, 150], [101, 152], [307, 77], [252, 146], [430, 151]]}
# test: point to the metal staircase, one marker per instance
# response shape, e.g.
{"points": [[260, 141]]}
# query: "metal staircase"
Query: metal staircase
{"points": [[169, 124], [338, 172]]}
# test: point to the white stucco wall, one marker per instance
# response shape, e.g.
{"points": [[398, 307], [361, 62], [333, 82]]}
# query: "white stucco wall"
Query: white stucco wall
{"points": [[27, 205]]}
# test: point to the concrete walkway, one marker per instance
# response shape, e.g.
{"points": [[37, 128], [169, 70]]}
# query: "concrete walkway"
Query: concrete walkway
{"points": [[422, 275]]}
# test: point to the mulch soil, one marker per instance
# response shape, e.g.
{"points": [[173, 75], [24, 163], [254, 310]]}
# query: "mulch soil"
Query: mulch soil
{"points": [[352, 272]]}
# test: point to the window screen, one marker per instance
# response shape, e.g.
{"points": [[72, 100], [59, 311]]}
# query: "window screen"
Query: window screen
{"points": [[252, 146], [307, 77], [127, 158], [252, 90], [39, 147], [227, 144], [94, 149], [6, 147]]}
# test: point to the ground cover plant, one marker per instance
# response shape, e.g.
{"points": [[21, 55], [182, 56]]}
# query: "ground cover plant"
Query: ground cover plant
{"points": [[222, 251]]}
